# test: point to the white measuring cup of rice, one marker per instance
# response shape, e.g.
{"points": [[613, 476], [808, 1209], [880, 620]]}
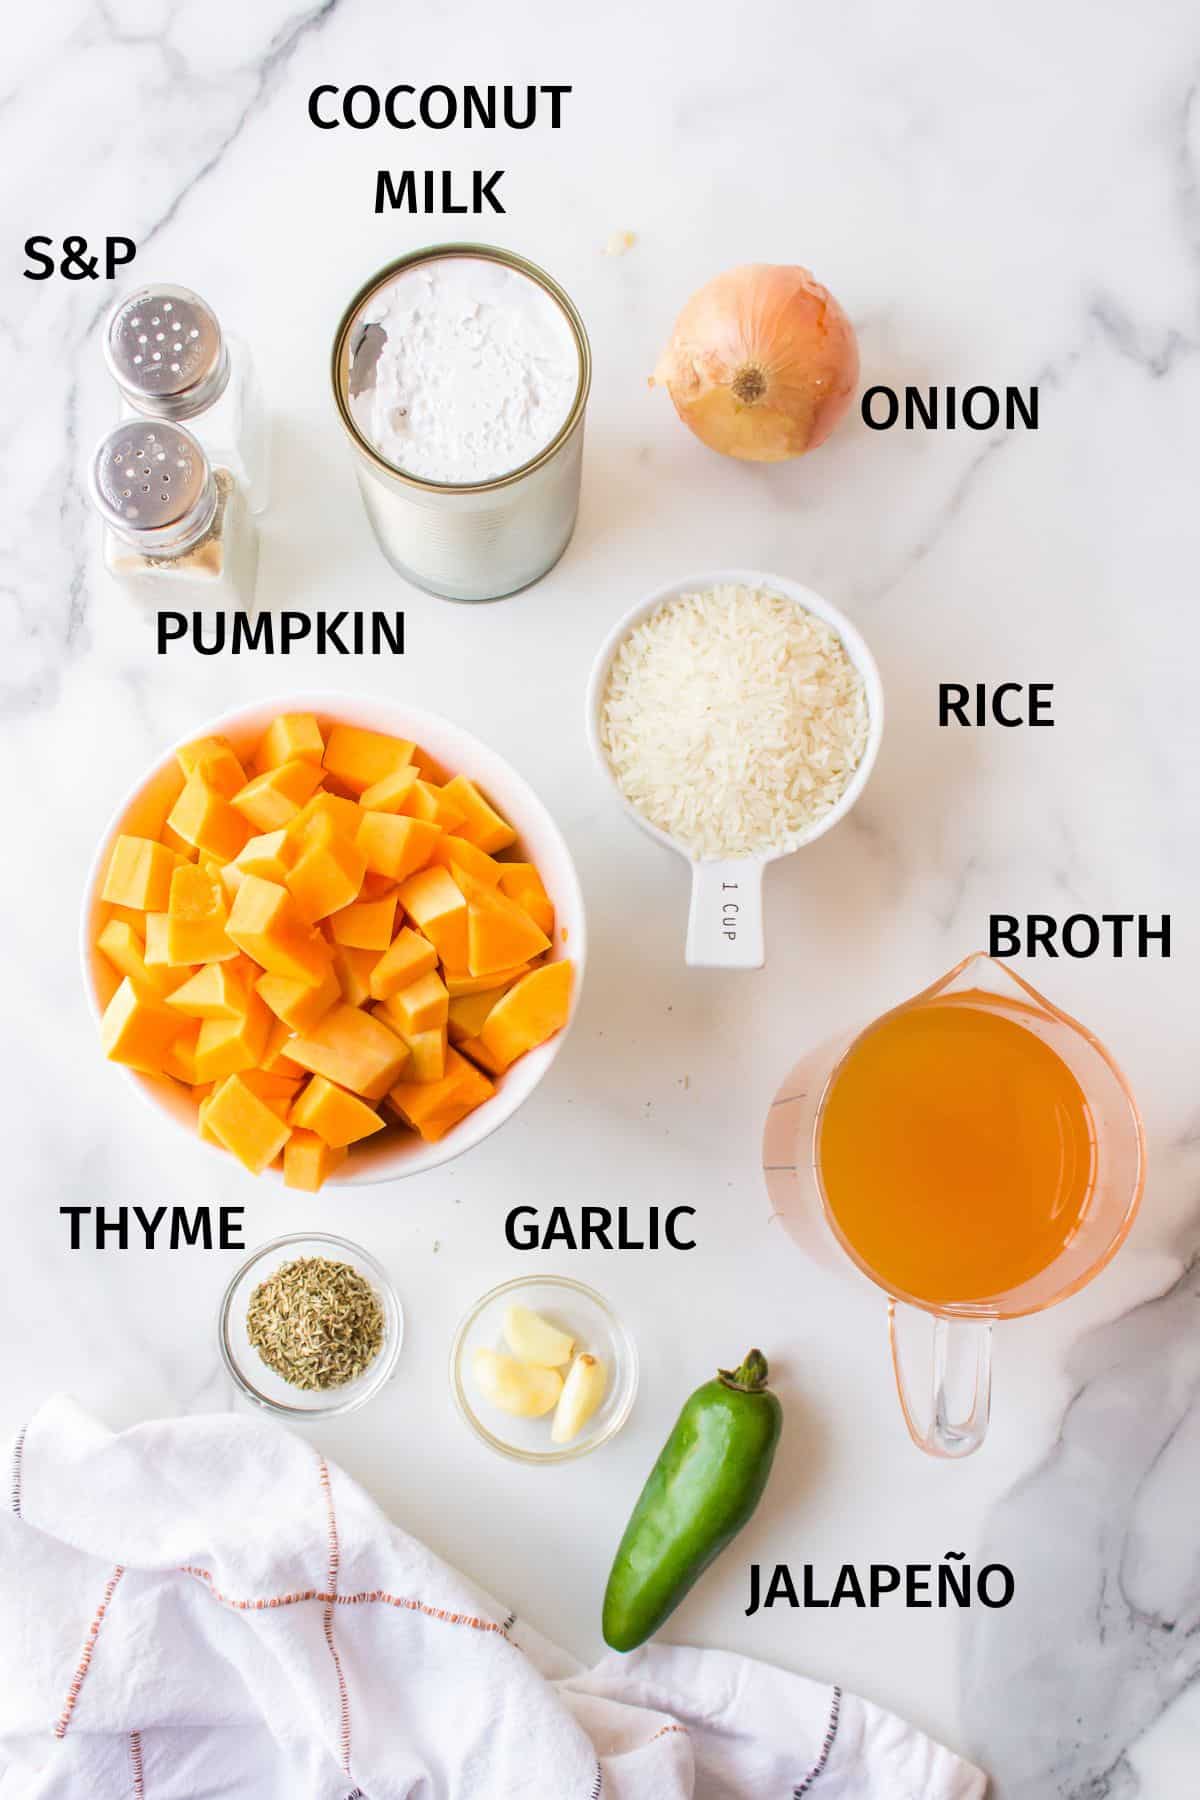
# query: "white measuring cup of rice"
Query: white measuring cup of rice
{"points": [[725, 928]]}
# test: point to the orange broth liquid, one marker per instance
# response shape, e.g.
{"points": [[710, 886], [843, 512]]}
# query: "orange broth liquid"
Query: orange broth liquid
{"points": [[956, 1150]]}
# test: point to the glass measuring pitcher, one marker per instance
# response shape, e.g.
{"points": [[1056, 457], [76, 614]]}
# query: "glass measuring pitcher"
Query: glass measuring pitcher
{"points": [[978, 1155]]}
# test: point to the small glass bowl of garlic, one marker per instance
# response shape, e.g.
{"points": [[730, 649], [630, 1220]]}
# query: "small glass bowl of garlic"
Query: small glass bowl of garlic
{"points": [[543, 1370]]}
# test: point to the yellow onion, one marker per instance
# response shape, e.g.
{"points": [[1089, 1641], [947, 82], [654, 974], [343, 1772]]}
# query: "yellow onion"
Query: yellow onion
{"points": [[762, 363]]}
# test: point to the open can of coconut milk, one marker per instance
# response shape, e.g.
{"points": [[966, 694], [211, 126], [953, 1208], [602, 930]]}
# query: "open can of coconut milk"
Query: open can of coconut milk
{"points": [[446, 364]]}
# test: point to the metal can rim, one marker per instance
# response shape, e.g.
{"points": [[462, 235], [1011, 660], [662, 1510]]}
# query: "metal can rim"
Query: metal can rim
{"points": [[340, 369]]}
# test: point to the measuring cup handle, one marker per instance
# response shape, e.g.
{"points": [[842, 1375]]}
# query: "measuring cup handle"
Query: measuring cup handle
{"points": [[962, 1363], [725, 918]]}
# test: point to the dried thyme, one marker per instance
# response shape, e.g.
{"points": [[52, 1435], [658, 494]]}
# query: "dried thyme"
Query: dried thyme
{"points": [[316, 1323]]}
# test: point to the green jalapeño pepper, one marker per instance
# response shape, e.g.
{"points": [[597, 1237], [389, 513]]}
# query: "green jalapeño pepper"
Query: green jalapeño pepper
{"points": [[701, 1491]]}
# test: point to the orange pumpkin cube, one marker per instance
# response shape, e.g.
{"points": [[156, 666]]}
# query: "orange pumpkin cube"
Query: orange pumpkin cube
{"points": [[407, 958], [394, 845], [275, 1059], [126, 951], [467, 1013], [365, 924], [426, 1054], [299, 1004], [354, 969], [197, 914], [215, 757], [292, 737], [139, 874], [273, 799], [227, 1046], [180, 1060], [342, 813], [459, 987], [482, 825], [499, 932], [358, 758], [245, 1124], [432, 1107], [328, 871], [435, 901], [354, 1050], [269, 856], [138, 1029], [338, 1117], [217, 991], [388, 795], [532, 1010], [203, 817], [308, 1161], [426, 801], [422, 1006], [266, 923]]}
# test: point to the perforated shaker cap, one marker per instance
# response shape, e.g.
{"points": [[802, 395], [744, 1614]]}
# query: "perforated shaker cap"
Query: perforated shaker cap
{"points": [[166, 353], [152, 484]]}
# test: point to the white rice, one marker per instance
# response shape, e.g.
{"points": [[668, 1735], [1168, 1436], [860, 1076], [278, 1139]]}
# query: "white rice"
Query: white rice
{"points": [[733, 720]]}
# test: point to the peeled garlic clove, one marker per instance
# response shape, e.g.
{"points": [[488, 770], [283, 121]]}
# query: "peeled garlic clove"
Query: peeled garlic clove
{"points": [[535, 1340], [516, 1387], [583, 1390]]}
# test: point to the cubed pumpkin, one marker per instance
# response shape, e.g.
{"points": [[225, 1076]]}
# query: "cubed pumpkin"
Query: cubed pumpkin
{"points": [[532, 1010], [339, 1117], [328, 871], [292, 737], [432, 1107], [215, 756], [388, 795], [126, 951], [217, 991], [273, 799], [499, 932], [266, 923], [197, 914], [139, 874], [482, 824], [299, 1004], [395, 845], [269, 855], [407, 958], [353, 1049], [245, 1124], [354, 969], [426, 801], [138, 1028], [364, 924], [308, 1161], [421, 1006], [204, 817], [456, 853], [435, 901], [358, 758], [460, 986], [466, 1013], [227, 1046]]}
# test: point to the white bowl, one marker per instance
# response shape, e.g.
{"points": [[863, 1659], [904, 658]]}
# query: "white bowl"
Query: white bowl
{"points": [[393, 1153], [725, 918]]}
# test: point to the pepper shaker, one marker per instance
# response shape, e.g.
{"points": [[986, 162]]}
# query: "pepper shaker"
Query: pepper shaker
{"points": [[177, 532], [170, 360]]}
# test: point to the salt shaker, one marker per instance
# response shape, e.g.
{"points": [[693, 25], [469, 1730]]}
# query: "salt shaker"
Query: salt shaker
{"points": [[177, 532], [170, 359]]}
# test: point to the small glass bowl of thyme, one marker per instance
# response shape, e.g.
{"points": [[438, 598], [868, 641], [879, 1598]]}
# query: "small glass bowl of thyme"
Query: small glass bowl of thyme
{"points": [[310, 1326]]}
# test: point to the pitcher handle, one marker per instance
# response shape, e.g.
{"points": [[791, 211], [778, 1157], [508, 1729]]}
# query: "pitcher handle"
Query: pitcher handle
{"points": [[962, 1358], [725, 929]]}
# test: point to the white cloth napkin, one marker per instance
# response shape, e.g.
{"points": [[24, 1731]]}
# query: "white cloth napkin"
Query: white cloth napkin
{"points": [[204, 1609]]}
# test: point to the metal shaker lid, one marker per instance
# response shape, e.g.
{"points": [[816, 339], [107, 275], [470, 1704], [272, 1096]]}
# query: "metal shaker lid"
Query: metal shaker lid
{"points": [[164, 348], [152, 484]]}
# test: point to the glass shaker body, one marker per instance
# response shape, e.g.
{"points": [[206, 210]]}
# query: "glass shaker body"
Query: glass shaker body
{"points": [[170, 360], [177, 533]]}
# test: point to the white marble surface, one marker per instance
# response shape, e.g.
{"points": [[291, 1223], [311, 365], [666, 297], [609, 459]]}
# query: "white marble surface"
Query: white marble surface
{"points": [[1007, 196]]}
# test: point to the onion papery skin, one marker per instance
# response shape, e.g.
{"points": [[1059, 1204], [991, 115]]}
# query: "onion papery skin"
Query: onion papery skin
{"points": [[762, 363]]}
